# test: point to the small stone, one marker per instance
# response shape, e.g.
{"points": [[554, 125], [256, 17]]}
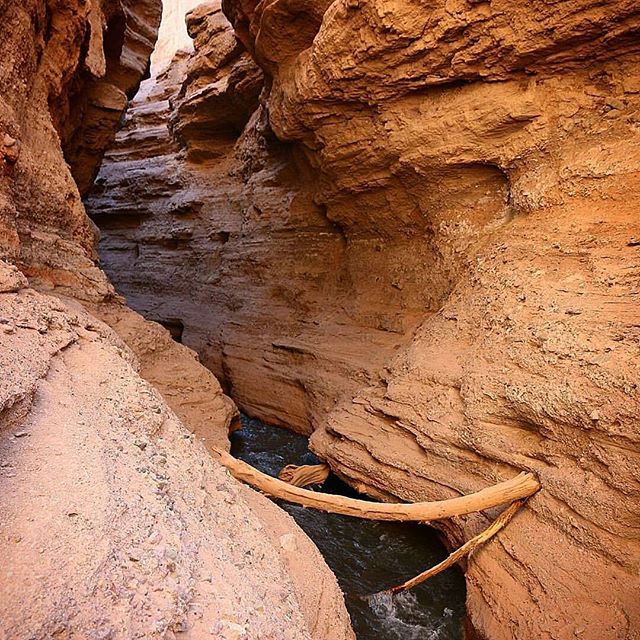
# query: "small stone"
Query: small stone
{"points": [[20, 434], [106, 633], [288, 542], [135, 554], [614, 103], [154, 538], [170, 553], [231, 630], [9, 149]]}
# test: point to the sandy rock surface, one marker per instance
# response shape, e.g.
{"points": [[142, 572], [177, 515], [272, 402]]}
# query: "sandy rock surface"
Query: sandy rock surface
{"points": [[422, 246], [115, 521]]}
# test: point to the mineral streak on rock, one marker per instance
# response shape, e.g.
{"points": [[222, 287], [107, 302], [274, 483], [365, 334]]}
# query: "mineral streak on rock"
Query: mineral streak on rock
{"points": [[411, 229]]}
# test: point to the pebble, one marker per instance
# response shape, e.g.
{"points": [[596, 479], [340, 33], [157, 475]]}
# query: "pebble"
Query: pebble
{"points": [[170, 553], [614, 103], [154, 538], [229, 630], [288, 542], [135, 554]]}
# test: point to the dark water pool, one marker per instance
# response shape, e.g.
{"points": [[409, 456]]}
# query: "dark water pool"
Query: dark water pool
{"points": [[366, 556]]}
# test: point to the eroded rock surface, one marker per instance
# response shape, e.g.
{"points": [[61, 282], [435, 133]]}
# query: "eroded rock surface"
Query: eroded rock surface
{"points": [[66, 71], [114, 520], [423, 247]]}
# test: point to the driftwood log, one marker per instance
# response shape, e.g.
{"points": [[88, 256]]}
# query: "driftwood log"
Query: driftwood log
{"points": [[522, 486], [304, 475], [500, 522]]}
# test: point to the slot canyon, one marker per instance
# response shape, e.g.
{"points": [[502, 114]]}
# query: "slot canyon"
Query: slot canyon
{"points": [[408, 231]]}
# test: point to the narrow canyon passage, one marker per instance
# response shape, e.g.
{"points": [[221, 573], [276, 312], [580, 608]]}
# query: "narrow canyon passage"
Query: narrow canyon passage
{"points": [[366, 556], [420, 268], [406, 231], [151, 228]]}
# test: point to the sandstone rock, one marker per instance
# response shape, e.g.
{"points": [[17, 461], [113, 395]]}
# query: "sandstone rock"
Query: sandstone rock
{"points": [[172, 35], [9, 150], [11, 278], [221, 89], [114, 520], [386, 254], [90, 546], [58, 94]]}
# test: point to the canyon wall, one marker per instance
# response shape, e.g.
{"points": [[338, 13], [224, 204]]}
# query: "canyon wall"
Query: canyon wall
{"points": [[172, 35], [64, 79], [413, 231], [115, 522]]}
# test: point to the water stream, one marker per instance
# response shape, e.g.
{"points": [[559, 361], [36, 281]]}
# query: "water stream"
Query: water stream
{"points": [[366, 556]]}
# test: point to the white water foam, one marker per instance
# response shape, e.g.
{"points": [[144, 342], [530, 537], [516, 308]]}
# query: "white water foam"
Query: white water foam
{"points": [[393, 610]]}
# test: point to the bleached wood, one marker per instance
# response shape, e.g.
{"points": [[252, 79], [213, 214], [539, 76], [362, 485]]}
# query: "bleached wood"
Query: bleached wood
{"points": [[522, 486], [499, 523], [304, 475]]}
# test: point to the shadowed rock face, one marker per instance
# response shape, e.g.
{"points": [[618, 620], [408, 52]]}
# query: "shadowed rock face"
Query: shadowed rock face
{"points": [[88, 114], [423, 248], [64, 81]]}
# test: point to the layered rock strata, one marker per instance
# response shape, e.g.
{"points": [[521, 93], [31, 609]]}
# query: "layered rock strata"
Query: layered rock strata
{"points": [[172, 35], [115, 522], [423, 248], [64, 79]]}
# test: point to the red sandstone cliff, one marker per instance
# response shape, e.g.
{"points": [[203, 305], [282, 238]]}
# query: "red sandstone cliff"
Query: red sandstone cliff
{"points": [[64, 78], [423, 247]]}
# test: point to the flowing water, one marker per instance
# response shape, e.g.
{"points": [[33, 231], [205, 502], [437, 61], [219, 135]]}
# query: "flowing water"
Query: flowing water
{"points": [[366, 556]]}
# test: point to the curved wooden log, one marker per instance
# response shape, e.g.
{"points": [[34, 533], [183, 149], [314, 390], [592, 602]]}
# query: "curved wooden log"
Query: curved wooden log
{"points": [[304, 475], [522, 486], [500, 522]]}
